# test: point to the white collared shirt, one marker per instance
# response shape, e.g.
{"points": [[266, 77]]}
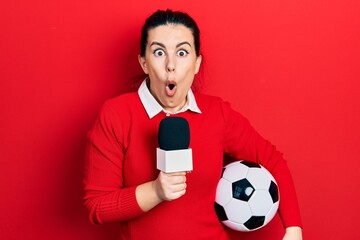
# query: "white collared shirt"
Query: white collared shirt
{"points": [[152, 107]]}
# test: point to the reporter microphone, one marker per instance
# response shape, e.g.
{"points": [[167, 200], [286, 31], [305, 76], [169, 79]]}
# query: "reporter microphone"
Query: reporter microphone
{"points": [[173, 153]]}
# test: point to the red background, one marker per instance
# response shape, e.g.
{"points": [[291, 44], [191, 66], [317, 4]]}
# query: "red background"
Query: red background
{"points": [[291, 67]]}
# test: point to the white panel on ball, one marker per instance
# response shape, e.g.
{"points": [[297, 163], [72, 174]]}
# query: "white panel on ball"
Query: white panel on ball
{"points": [[224, 195], [258, 179], [260, 203], [238, 211], [271, 213], [235, 171], [235, 226], [269, 174]]}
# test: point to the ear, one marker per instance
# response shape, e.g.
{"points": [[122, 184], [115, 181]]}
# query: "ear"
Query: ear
{"points": [[142, 63], [198, 63]]}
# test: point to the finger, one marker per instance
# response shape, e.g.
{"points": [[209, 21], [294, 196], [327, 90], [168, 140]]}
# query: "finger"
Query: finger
{"points": [[177, 195], [176, 174], [178, 187], [173, 176], [178, 179]]}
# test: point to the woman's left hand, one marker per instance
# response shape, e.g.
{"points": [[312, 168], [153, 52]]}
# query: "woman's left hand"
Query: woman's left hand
{"points": [[293, 233]]}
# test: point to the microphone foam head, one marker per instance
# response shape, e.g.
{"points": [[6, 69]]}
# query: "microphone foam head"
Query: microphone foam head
{"points": [[174, 134]]}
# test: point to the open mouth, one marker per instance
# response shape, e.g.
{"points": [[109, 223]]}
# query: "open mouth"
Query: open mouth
{"points": [[171, 89], [171, 86]]}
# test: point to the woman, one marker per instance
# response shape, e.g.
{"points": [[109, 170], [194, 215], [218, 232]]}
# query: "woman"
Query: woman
{"points": [[121, 180]]}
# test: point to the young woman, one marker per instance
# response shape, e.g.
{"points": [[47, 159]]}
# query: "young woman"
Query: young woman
{"points": [[121, 180]]}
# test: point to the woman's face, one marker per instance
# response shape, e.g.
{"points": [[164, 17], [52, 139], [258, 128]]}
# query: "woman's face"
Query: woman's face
{"points": [[171, 63]]}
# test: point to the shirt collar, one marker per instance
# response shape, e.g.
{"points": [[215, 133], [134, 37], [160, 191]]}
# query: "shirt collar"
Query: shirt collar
{"points": [[152, 107]]}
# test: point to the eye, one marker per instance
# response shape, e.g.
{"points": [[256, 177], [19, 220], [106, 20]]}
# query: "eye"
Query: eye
{"points": [[159, 52], [182, 53]]}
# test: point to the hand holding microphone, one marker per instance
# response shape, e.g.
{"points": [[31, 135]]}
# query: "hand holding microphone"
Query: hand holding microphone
{"points": [[170, 186], [167, 187], [174, 158]]}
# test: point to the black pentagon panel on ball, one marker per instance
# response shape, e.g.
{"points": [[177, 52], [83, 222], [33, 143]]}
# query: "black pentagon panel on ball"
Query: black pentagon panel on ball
{"points": [[251, 164], [220, 212], [242, 190], [274, 192], [255, 222]]}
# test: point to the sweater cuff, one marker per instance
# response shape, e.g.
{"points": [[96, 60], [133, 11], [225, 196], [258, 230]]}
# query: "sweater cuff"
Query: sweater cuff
{"points": [[129, 204]]}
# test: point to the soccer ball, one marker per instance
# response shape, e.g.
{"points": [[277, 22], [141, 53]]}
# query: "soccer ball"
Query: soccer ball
{"points": [[247, 196]]}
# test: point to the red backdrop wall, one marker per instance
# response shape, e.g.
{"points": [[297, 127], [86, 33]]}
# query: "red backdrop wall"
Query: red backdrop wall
{"points": [[292, 67]]}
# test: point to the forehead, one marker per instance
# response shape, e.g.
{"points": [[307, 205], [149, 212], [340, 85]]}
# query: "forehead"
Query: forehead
{"points": [[170, 34]]}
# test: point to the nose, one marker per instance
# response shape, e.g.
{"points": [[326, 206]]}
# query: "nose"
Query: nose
{"points": [[170, 69], [170, 65]]}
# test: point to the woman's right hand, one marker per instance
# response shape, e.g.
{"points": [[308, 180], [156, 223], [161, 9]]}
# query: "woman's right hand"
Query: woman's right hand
{"points": [[170, 186], [167, 187]]}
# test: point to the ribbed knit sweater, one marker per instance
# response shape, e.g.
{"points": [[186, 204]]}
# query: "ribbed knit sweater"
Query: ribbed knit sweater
{"points": [[121, 154]]}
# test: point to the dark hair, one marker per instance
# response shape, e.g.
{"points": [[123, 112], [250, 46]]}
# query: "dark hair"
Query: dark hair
{"points": [[161, 17]]}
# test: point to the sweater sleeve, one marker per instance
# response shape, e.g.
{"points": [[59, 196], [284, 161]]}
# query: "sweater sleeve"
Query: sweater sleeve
{"points": [[242, 141], [105, 197]]}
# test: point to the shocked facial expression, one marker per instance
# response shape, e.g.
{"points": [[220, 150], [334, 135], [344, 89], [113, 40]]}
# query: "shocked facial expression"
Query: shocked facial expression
{"points": [[171, 62]]}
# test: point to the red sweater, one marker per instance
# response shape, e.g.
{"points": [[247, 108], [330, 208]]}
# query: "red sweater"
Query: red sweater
{"points": [[121, 155]]}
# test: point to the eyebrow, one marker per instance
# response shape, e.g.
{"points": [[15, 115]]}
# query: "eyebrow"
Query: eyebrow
{"points": [[182, 43], [162, 45]]}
